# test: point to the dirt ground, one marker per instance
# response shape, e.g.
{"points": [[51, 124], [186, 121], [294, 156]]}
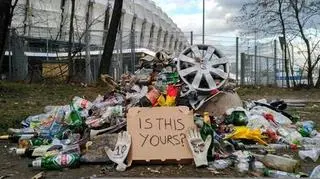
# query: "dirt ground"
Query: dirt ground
{"points": [[17, 101]]}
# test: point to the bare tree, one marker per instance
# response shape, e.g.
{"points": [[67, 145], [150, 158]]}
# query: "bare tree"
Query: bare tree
{"points": [[111, 38], [71, 30], [6, 13], [296, 6], [284, 34], [294, 17], [272, 14]]}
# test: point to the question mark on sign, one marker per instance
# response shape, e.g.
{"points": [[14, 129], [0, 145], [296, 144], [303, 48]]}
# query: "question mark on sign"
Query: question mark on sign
{"points": [[183, 137]]}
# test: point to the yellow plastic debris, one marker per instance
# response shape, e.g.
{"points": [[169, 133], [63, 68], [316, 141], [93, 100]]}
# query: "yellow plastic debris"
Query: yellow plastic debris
{"points": [[243, 132]]}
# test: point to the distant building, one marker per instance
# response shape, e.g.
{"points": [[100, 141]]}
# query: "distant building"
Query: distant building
{"points": [[41, 30]]}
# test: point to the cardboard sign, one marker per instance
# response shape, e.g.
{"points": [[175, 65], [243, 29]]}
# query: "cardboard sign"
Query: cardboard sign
{"points": [[159, 133]]}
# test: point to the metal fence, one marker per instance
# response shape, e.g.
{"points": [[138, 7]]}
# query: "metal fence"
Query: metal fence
{"points": [[258, 70], [252, 63]]}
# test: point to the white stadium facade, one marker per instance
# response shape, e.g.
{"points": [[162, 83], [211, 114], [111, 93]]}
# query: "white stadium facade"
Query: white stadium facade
{"points": [[44, 27]]}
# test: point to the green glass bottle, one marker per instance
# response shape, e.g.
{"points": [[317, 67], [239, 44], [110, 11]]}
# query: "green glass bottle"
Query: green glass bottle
{"points": [[76, 123], [57, 162], [75, 117], [205, 131]]}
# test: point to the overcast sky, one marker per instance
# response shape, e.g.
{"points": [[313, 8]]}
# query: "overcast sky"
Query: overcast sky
{"points": [[187, 14]]}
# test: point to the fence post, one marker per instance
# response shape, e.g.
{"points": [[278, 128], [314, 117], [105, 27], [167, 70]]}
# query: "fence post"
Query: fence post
{"points": [[191, 37], [242, 68], [255, 65], [237, 59], [267, 70], [275, 62]]}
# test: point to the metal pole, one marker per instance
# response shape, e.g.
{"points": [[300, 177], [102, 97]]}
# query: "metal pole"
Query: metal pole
{"points": [[10, 54], [133, 58], [237, 59], [47, 43], [255, 65], [191, 37], [275, 61], [242, 66], [120, 55], [203, 19], [267, 70]]}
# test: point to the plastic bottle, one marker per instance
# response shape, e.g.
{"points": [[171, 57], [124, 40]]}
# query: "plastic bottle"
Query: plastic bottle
{"points": [[57, 162], [278, 162], [279, 174], [205, 131], [309, 147], [222, 163], [82, 103], [309, 141], [243, 166], [113, 111], [21, 131], [35, 120], [315, 172], [313, 154]]}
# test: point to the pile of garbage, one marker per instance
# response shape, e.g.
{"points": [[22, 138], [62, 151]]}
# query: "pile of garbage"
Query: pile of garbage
{"points": [[247, 138]]}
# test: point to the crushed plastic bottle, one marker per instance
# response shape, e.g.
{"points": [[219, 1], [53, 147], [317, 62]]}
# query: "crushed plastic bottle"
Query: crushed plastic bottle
{"points": [[110, 99], [243, 166], [313, 154], [222, 163], [35, 120], [315, 172], [81, 103], [243, 161], [306, 128], [309, 141]]}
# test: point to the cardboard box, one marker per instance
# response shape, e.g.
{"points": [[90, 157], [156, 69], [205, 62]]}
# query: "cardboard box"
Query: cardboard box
{"points": [[159, 133]]}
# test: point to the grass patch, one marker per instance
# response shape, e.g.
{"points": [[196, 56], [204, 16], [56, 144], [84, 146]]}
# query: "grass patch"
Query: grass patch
{"points": [[18, 100]]}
